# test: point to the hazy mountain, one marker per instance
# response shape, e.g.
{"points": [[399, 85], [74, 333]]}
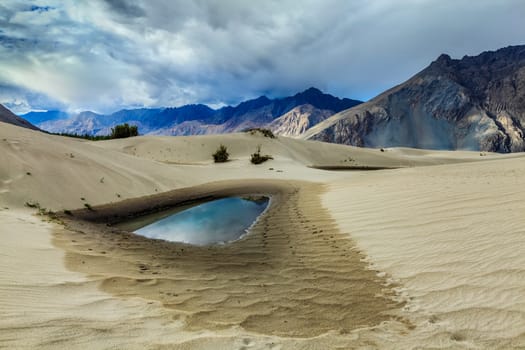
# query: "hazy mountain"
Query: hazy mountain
{"points": [[44, 116], [200, 119], [7, 116], [476, 103], [82, 123]]}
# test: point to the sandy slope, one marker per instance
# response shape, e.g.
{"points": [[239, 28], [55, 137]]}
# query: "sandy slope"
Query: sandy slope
{"points": [[43, 305], [57, 172], [453, 237], [448, 235]]}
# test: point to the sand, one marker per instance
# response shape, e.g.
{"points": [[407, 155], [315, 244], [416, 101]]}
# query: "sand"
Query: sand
{"points": [[44, 305], [453, 238], [290, 277], [415, 256]]}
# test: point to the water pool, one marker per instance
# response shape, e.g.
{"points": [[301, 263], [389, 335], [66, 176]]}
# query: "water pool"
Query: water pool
{"points": [[219, 221]]}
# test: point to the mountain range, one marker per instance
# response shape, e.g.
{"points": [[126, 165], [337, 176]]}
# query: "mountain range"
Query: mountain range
{"points": [[290, 116], [473, 103]]}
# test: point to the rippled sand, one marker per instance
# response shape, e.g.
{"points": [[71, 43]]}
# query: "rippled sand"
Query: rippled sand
{"points": [[454, 238], [294, 275]]}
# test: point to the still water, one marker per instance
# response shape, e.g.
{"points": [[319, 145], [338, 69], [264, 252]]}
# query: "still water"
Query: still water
{"points": [[218, 221]]}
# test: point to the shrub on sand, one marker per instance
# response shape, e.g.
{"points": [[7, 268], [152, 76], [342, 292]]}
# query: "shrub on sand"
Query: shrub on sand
{"points": [[221, 155], [124, 130], [257, 158], [264, 132]]}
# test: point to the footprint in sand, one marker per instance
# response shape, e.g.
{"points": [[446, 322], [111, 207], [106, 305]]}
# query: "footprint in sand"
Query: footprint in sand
{"points": [[246, 344], [458, 336], [7, 182], [14, 145]]}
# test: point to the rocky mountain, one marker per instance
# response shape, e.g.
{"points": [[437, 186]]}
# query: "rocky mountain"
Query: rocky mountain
{"points": [[7, 116], [301, 118], [82, 123], [200, 119], [473, 103]]}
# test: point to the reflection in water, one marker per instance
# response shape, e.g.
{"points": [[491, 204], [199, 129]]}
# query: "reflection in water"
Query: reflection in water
{"points": [[218, 221]]}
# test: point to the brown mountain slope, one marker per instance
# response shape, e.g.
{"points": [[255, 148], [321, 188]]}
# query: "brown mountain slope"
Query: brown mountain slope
{"points": [[476, 103], [7, 116]]}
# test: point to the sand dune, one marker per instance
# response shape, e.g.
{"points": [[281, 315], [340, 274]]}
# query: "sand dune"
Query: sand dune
{"points": [[416, 257], [58, 171], [453, 237]]}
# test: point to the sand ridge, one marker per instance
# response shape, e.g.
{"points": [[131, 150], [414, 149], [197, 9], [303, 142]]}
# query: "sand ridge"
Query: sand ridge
{"points": [[64, 173]]}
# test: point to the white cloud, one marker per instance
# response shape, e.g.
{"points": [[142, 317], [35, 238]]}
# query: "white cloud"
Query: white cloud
{"points": [[105, 55]]}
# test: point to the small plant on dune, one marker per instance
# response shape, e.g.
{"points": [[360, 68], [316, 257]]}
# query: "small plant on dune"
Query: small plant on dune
{"points": [[89, 207], [257, 158], [30, 204], [68, 212], [41, 211], [221, 155], [44, 211], [264, 132]]}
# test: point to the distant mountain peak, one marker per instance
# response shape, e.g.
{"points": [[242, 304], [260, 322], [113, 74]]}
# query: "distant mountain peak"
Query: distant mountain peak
{"points": [[311, 91], [262, 98], [444, 58], [88, 114], [255, 103]]}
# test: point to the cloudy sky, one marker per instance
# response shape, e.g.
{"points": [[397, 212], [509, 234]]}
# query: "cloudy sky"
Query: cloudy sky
{"points": [[103, 55]]}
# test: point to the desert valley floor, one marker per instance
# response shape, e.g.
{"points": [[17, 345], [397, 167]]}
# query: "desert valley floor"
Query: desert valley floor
{"points": [[424, 253]]}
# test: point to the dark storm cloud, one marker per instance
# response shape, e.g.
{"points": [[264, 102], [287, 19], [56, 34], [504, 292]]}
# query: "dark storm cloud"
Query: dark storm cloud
{"points": [[109, 54], [126, 8], [41, 8]]}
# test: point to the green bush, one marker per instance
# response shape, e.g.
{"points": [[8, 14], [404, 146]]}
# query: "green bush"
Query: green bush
{"points": [[121, 131], [118, 132], [257, 158], [81, 136], [221, 155]]}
